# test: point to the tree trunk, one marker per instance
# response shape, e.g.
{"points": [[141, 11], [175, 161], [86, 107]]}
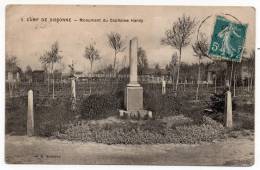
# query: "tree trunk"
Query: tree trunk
{"points": [[178, 71], [90, 86], [52, 81], [53, 85], [114, 66], [231, 75], [184, 86], [215, 84], [198, 83], [10, 89], [228, 75], [234, 84], [251, 80], [48, 79], [248, 84], [243, 84], [173, 81]]}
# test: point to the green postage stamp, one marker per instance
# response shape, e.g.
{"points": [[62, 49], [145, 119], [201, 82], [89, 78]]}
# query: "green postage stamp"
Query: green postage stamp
{"points": [[227, 40]]}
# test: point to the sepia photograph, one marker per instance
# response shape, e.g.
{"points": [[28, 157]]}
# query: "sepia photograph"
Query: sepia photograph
{"points": [[130, 85]]}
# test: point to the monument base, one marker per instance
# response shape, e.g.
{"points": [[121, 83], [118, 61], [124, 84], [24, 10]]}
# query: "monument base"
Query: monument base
{"points": [[138, 114], [133, 99]]}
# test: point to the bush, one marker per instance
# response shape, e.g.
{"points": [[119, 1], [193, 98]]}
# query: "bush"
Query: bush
{"points": [[54, 117], [143, 132], [162, 105], [16, 116], [217, 104], [101, 106], [50, 115]]}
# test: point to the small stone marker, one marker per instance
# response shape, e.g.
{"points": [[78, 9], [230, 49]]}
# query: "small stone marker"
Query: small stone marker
{"points": [[150, 114], [30, 114], [73, 94], [163, 86], [121, 113], [73, 88], [228, 110]]}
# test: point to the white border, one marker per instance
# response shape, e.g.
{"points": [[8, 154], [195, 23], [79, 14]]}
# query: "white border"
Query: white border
{"points": [[255, 3]]}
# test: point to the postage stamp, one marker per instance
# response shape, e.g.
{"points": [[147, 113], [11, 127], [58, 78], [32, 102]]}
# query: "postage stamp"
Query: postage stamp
{"points": [[227, 40]]}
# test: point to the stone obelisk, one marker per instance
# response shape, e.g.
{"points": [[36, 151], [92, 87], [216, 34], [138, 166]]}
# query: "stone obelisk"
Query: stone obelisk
{"points": [[133, 92]]}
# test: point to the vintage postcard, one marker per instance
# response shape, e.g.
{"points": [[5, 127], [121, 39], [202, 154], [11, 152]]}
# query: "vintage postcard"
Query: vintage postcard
{"points": [[130, 85]]}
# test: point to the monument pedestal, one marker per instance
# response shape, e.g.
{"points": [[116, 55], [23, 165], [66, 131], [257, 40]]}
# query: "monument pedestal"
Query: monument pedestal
{"points": [[135, 114], [133, 99]]}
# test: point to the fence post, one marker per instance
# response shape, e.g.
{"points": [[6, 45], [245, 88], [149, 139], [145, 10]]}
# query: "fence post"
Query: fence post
{"points": [[30, 114], [73, 93], [163, 86], [73, 88]]}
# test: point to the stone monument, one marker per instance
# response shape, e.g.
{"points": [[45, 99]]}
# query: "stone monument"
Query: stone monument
{"points": [[133, 99], [133, 92]]}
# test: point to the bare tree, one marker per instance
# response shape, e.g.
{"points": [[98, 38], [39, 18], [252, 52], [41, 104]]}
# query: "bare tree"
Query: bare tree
{"points": [[117, 44], [28, 73], [178, 37], [61, 69], [11, 66], [11, 62], [172, 66], [235, 72], [50, 58], [142, 60], [244, 63], [200, 47], [46, 67], [28, 69], [157, 69], [92, 55], [72, 69]]}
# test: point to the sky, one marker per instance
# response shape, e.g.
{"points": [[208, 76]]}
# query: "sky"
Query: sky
{"points": [[28, 40]]}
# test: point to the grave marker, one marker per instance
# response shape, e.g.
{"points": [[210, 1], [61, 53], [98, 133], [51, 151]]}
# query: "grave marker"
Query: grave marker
{"points": [[30, 114], [163, 86], [228, 122]]}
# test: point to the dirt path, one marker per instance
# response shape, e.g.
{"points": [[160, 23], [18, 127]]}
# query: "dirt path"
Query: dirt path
{"points": [[22, 149]]}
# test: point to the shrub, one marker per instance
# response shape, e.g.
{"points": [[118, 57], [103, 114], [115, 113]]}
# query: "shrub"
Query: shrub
{"points": [[143, 132], [16, 116], [100, 106], [217, 104], [196, 134], [54, 117], [162, 105]]}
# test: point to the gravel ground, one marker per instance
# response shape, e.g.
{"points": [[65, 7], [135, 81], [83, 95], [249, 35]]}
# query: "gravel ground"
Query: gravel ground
{"points": [[35, 150]]}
